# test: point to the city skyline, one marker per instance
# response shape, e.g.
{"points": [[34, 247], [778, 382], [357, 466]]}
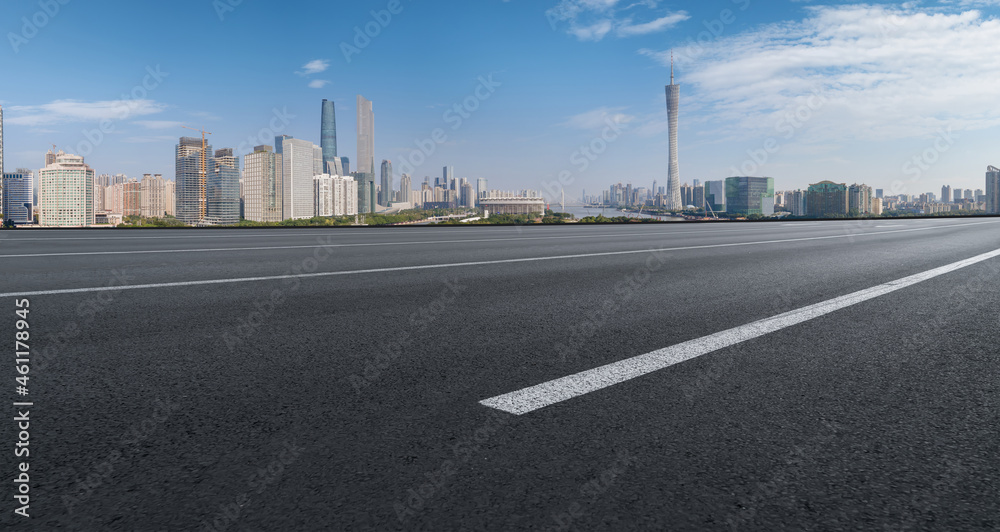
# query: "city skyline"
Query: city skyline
{"points": [[868, 122]]}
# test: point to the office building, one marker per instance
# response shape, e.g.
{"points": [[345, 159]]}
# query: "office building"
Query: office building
{"points": [[262, 188], [385, 191], [66, 193], [366, 137], [299, 165], [827, 198], [367, 192], [715, 195], [468, 195], [16, 203], [328, 137], [747, 196], [223, 189], [673, 172], [481, 186], [879, 193], [191, 167]]}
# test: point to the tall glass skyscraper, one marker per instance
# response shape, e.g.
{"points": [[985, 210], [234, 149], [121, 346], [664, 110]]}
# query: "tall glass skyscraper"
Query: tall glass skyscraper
{"points": [[328, 135], [992, 190], [366, 136], [385, 193], [223, 189]]}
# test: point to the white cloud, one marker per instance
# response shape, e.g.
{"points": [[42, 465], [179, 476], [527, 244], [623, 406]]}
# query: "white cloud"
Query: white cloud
{"points": [[598, 118], [883, 73], [66, 111], [314, 67], [318, 83], [159, 124], [592, 20]]}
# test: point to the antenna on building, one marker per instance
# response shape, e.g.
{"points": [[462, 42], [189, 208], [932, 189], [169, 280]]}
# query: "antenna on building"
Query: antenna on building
{"points": [[671, 67]]}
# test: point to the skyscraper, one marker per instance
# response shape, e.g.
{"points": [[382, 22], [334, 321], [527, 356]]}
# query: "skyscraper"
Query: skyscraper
{"points": [[405, 188], [946, 194], [298, 165], [66, 193], [674, 173], [366, 136], [1, 160], [262, 185], [385, 193], [17, 196], [151, 196], [223, 189], [328, 135], [993, 190], [481, 186], [189, 163], [715, 195]]}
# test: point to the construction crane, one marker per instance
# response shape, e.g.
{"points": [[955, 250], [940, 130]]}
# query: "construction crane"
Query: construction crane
{"points": [[202, 174]]}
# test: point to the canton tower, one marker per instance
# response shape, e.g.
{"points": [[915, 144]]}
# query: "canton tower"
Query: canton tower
{"points": [[674, 173]]}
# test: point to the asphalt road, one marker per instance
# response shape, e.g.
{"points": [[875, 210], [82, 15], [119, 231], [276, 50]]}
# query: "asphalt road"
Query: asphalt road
{"points": [[333, 379]]}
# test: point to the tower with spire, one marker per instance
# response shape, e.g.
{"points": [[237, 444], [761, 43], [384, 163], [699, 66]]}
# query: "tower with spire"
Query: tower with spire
{"points": [[673, 195]]}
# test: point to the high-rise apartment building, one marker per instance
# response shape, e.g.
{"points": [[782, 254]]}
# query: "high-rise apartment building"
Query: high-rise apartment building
{"points": [[170, 198], [298, 169], [366, 136], [746, 196], [16, 203], [335, 195], [827, 198], [385, 191], [192, 165], [66, 193], [132, 198], [152, 204], [859, 200], [262, 189], [946, 194], [673, 171], [328, 137], [223, 189]]}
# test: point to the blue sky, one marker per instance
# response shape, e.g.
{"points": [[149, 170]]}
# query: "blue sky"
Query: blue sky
{"points": [[902, 97]]}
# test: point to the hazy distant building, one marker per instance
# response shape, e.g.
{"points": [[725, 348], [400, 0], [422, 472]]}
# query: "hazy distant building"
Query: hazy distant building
{"points": [[946, 194], [405, 189], [827, 198], [66, 193], [993, 190], [481, 186], [366, 136], [795, 202], [262, 189], [328, 137], [17, 203], [468, 195], [367, 194], [385, 191], [747, 196], [170, 198], [859, 199]]}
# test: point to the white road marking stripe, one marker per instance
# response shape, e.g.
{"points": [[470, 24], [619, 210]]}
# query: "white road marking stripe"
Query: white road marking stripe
{"points": [[437, 266], [559, 390]]}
